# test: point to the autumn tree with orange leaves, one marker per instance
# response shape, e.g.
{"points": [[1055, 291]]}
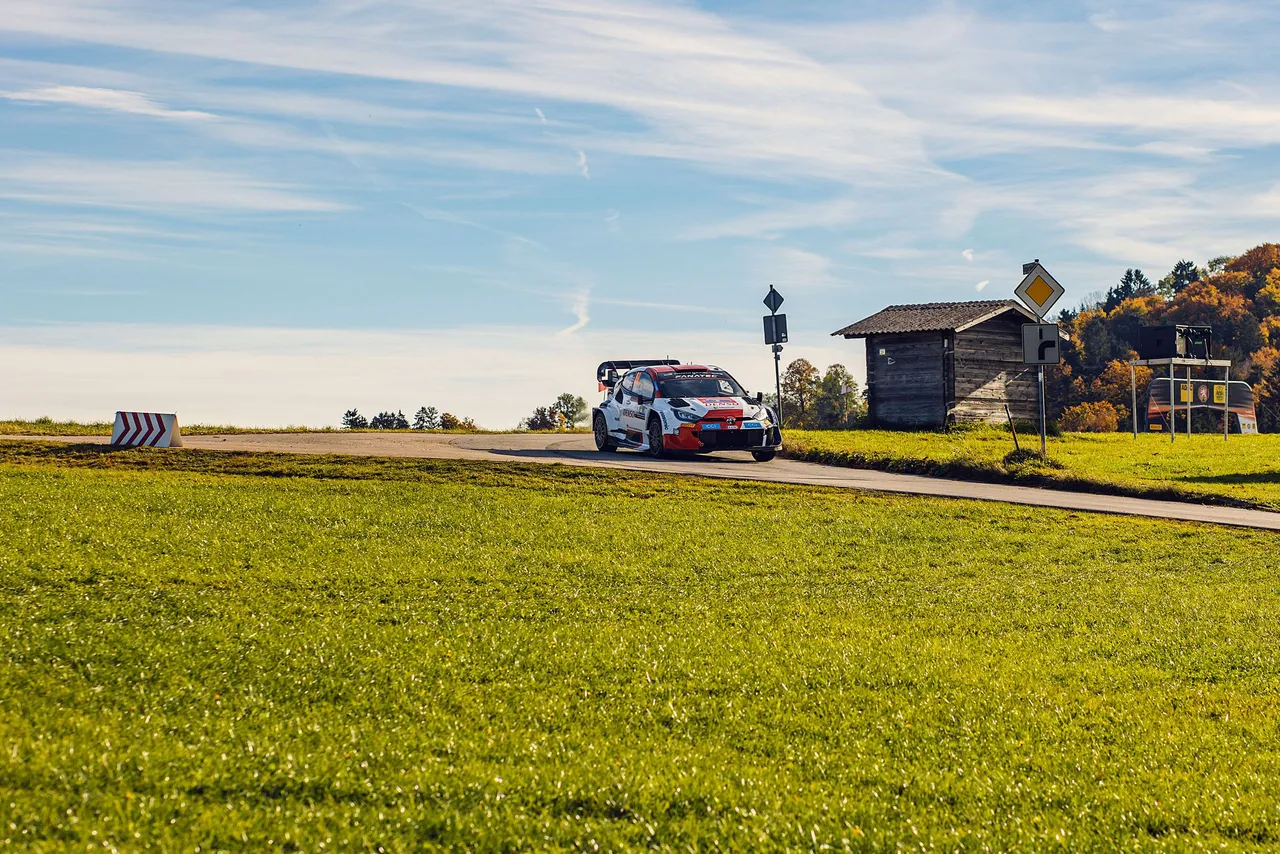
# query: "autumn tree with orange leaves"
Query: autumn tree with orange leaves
{"points": [[1239, 297]]}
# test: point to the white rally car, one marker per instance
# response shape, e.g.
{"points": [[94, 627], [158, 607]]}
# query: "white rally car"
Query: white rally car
{"points": [[661, 405]]}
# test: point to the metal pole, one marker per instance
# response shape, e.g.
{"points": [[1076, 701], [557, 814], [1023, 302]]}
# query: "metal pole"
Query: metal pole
{"points": [[1189, 401], [1044, 452], [777, 380], [1226, 402], [1133, 387], [1173, 408]]}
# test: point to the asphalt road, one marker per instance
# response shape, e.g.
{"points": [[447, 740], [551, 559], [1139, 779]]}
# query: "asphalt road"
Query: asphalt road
{"points": [[578, 449]]}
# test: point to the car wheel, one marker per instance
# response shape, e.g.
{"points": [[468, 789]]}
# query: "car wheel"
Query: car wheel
{"points": [[765, 455], [655, 438], [600, 428]]}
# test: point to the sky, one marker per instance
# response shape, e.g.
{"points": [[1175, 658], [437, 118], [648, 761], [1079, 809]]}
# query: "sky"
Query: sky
{"points": [[268, 213]]}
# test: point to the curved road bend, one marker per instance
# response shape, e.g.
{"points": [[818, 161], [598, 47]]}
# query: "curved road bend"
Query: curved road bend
{"points": [[578, 449]]}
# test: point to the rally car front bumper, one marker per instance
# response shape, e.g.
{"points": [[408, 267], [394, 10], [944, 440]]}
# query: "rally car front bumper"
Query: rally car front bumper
{"points": [[697, 437]]}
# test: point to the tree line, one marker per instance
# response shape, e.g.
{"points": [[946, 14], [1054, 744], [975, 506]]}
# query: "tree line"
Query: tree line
{"points": [[1238, 296], [426, 418], [567, 411], [813, 399]]}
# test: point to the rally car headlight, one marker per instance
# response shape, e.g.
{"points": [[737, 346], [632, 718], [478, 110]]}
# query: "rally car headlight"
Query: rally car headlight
{"points": [[686, 415]]}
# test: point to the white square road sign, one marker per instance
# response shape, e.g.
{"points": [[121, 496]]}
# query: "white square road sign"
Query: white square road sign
{"points": [[1041, 344], [1038, 290]]}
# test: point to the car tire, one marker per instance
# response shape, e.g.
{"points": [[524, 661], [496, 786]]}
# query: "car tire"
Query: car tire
{"points": [[655, 438], [600, 429], [763, 456]]}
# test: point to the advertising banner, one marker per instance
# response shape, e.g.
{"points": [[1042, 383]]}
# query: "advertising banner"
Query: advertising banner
{"points": [[1202, 394]]}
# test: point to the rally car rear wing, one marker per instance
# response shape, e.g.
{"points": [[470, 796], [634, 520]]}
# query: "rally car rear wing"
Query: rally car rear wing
{"points": [[607, 373]]}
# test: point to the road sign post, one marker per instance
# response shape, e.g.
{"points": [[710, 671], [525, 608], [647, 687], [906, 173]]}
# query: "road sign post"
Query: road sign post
{"points": [[1044, 442], [775, 335], [1041, 343]]}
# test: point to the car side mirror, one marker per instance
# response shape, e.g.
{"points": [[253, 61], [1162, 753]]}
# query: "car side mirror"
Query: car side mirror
{"points": [[759, 398]]}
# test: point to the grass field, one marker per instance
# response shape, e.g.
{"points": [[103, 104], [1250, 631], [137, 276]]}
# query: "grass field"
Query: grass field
{"points": [[1244, 469], [236, 651], [49, 427]]}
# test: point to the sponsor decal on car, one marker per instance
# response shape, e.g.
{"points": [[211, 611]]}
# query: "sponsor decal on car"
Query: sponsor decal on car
{"points": [[719, 402]]}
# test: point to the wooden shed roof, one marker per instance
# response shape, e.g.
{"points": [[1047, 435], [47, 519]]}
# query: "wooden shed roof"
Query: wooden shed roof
{"points": [[931, 317]]}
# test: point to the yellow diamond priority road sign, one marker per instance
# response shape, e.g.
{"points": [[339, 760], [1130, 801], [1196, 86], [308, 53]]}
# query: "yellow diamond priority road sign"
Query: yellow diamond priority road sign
{"points": [[1038, 291]]}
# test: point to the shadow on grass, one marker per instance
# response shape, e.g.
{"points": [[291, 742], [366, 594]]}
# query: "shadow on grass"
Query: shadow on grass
{"points": [[1241, 478], [991, 472], [619, 457], [530, 474], [333, 467]]}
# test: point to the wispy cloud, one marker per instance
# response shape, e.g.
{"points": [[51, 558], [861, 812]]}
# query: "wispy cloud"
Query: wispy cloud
{"points": [[53, 235], [864, 102], [792, 267], [437, 215], [173, 187], [115, 100], [718, 95], [68, 249], [580, 305], [681, 308], [85, 292], [472, 155], [779, 219], [1175, 120]]}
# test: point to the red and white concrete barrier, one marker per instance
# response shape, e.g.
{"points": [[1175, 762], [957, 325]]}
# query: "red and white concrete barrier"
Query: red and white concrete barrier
{"points": [[150, 429]]}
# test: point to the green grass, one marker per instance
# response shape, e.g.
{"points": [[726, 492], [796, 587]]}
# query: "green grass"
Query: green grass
{"points": [[49, 427], [1241, 470], [213, 651]]}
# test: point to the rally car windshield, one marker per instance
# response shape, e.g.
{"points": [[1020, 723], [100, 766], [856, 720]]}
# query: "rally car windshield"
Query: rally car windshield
{"points": [[702, 385]]}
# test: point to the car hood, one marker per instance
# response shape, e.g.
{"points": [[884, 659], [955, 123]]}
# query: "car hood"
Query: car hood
{"points": [[724, 407]]}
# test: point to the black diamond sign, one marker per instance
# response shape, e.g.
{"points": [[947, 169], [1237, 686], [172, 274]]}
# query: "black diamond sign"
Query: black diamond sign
{"points": [[774, 299]]}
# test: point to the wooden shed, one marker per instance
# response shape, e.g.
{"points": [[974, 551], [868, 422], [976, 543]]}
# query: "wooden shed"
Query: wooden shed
{"points": [[931, 364]]}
